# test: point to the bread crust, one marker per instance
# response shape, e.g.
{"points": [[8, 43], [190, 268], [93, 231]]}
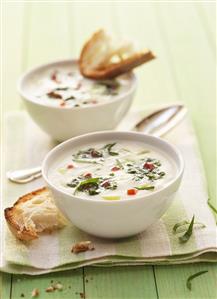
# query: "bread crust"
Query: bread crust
{"points": [[109, 70], [23, 233]]}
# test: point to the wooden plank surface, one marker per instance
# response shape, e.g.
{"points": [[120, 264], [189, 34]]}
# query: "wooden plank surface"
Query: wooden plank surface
{"points": [[172, 284], [5, 285], [120, 282], [14, 46], [183, 71], [194, 74], [70, 280]]}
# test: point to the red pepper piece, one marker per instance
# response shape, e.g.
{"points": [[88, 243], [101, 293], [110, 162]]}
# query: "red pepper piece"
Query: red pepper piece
{"points": [[106, 184], [95, 154], [70, 166], [115, 168], [149, 166], [54, 77], [62, 104], [87, 175], [94, 102], [132, 191]]}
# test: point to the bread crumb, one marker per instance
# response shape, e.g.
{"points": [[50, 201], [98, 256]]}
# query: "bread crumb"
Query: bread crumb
{"points": [[82, 246], [58, 286], [35, 293], [50, 289]]}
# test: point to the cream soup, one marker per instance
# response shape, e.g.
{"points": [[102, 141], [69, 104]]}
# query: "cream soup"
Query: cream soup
{"points": [[112, 171], [64, 86]]}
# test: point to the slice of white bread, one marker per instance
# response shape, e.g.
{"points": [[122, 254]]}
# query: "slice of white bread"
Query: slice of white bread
{"points": [[32, 214], [104, 58]]}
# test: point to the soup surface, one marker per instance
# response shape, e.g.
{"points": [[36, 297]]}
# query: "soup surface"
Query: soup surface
{"points": [[112, 171], [64, 86]]}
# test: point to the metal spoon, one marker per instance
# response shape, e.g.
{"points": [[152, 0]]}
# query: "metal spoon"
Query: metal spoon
{"points": [[157, 123], [161, 121]]}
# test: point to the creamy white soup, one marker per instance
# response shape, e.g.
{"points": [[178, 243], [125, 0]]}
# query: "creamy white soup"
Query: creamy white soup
{"points": [[112, 171], [64, 86]]}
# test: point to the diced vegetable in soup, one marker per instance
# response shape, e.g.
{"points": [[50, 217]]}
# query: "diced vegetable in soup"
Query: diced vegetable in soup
{"points": [[66, 87], [112, 171]]}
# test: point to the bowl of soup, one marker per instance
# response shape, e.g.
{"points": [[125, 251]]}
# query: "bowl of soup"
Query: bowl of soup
{"points": [[64, 104], [113, 184]]}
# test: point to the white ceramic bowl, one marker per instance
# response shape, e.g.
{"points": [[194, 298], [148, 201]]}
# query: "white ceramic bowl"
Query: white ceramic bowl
{"points": [[64, 123], [114, 219]]}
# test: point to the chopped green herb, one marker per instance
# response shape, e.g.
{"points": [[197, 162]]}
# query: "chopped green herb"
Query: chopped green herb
{"points": [[89, 185], [190, 278], [93, 192], [119, 164], [145, 187], [109, 149], [184, 238], [69, 98], [61, 88], [112, 174]]}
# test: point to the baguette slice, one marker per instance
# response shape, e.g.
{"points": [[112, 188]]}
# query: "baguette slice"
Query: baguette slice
{"points": [[104, 58], [32, 214]]}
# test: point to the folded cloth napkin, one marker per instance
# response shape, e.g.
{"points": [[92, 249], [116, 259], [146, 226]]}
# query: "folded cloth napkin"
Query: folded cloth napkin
{"points": [[26, 146]]}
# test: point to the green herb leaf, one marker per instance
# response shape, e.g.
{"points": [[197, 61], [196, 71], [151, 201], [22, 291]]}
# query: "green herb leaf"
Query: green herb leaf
{"points": [[89, 182], [184, 238], [119, 164], [109, 148], [183, 223], [62, 88], [190, 278], [69, 98], [145, 187]]}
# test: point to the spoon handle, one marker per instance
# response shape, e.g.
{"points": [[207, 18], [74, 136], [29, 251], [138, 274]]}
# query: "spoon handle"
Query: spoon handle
{"points": [[25, 175], [161, 121]]}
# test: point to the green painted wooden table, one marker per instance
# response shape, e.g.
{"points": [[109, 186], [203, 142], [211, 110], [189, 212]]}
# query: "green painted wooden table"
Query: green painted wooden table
{"points": [[182, 34]]}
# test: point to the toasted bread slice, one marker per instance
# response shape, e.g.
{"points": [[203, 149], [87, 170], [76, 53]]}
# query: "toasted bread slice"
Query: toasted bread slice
{"points": [[32, 214], [103, 58]]}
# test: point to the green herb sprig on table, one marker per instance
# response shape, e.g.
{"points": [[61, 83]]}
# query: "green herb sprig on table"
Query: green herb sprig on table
{"points": [[190, 278], [184, 238], [182, 224]]}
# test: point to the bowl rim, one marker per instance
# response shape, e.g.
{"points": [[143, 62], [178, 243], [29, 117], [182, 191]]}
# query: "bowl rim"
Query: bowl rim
{"points": [[32, 99], [179, 161]]}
